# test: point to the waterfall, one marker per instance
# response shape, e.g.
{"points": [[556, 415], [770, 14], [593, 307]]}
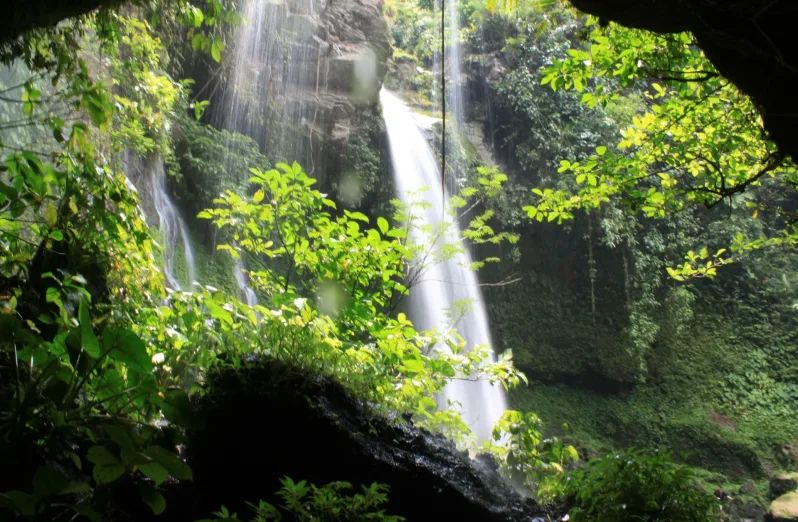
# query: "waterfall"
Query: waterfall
{"points": [[445, 284], [275, 79], [275, 57], [447, 68], [243, 284], [172, 226]]}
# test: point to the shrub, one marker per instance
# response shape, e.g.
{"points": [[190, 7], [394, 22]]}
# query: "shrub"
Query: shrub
{"points": [[636, 485]]}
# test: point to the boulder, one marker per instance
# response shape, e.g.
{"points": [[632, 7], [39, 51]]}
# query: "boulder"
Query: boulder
{"points": [[748, 488], [790, 453], [784, 508], [270, 420], [782, 483], [746, 511]]}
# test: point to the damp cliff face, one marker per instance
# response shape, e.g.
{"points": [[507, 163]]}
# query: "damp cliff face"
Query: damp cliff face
{"points": [[302, 78]]}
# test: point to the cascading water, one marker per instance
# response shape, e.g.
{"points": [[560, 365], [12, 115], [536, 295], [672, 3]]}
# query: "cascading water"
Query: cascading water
{"points": [[151, 172], [456, 106], [172, 226], [445, 284], [275, 55], [447, 69], [275, 80], [243, 284]]}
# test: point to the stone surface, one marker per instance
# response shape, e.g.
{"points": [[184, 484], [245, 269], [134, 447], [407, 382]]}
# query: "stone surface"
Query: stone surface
{"points": [[782, 483], [748, 488], [790, 452], [271, 421], [745, 512], [784, 508]]}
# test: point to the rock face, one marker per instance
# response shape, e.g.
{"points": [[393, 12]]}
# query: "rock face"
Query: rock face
{"points": [[751, 42], [790, 453], [782, 483], [306, 72], [784, 508], [272, 421]]}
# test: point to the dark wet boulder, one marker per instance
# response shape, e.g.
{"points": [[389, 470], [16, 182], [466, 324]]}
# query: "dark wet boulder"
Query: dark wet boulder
{"points": [[271, 421], [782, 483]]}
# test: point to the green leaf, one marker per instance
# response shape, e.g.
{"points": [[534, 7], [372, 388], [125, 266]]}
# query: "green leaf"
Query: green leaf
{"points": [[258, 197], [88, 341], [216, 50], [358, 216], [107, 467], [383, 225], [601, 150], [18, 501], [121, 436], [76, 460], [171, 461], [217, 312], [199, 108], [100, 455], [56, 235], [96, 110], [155, 471], [126, 347], [153, 499], [76, 488], [48, 481]]}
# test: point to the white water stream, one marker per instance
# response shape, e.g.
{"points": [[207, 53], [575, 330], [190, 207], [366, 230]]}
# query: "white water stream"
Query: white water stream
{"points": [[445, 284], [172, 227]]}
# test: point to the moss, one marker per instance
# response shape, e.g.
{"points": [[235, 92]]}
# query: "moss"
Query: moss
{"points": [[640, 418], [785, 508]]}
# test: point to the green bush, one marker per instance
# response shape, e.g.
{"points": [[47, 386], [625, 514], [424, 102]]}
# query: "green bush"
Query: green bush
{"points": [[636, 485], [305, 502]]}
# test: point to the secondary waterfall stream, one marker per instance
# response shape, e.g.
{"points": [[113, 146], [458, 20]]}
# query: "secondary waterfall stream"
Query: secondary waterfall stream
{"points": [[150, 172], [272, 58], [445, 284], [171, 225]]}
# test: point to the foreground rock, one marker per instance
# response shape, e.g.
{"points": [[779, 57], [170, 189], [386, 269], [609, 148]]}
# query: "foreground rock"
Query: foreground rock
{"points": [[272, 421], [784, 508], [782, 483]]}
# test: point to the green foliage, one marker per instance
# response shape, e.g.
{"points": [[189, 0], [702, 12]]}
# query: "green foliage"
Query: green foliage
{"points": [[606, 311], [330, 287], [361, 171], [636, 485], [301, 501], [83, 333], [699, 141], [414, 29], [209, 162], [528, 457]]}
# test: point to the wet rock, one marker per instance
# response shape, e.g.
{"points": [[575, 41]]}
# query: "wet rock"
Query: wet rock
{"points": [[271, 421], [784, 508], [340, 134], [748, 488], [497, 69], [782, 483], [745, 511], [790, 453]]}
